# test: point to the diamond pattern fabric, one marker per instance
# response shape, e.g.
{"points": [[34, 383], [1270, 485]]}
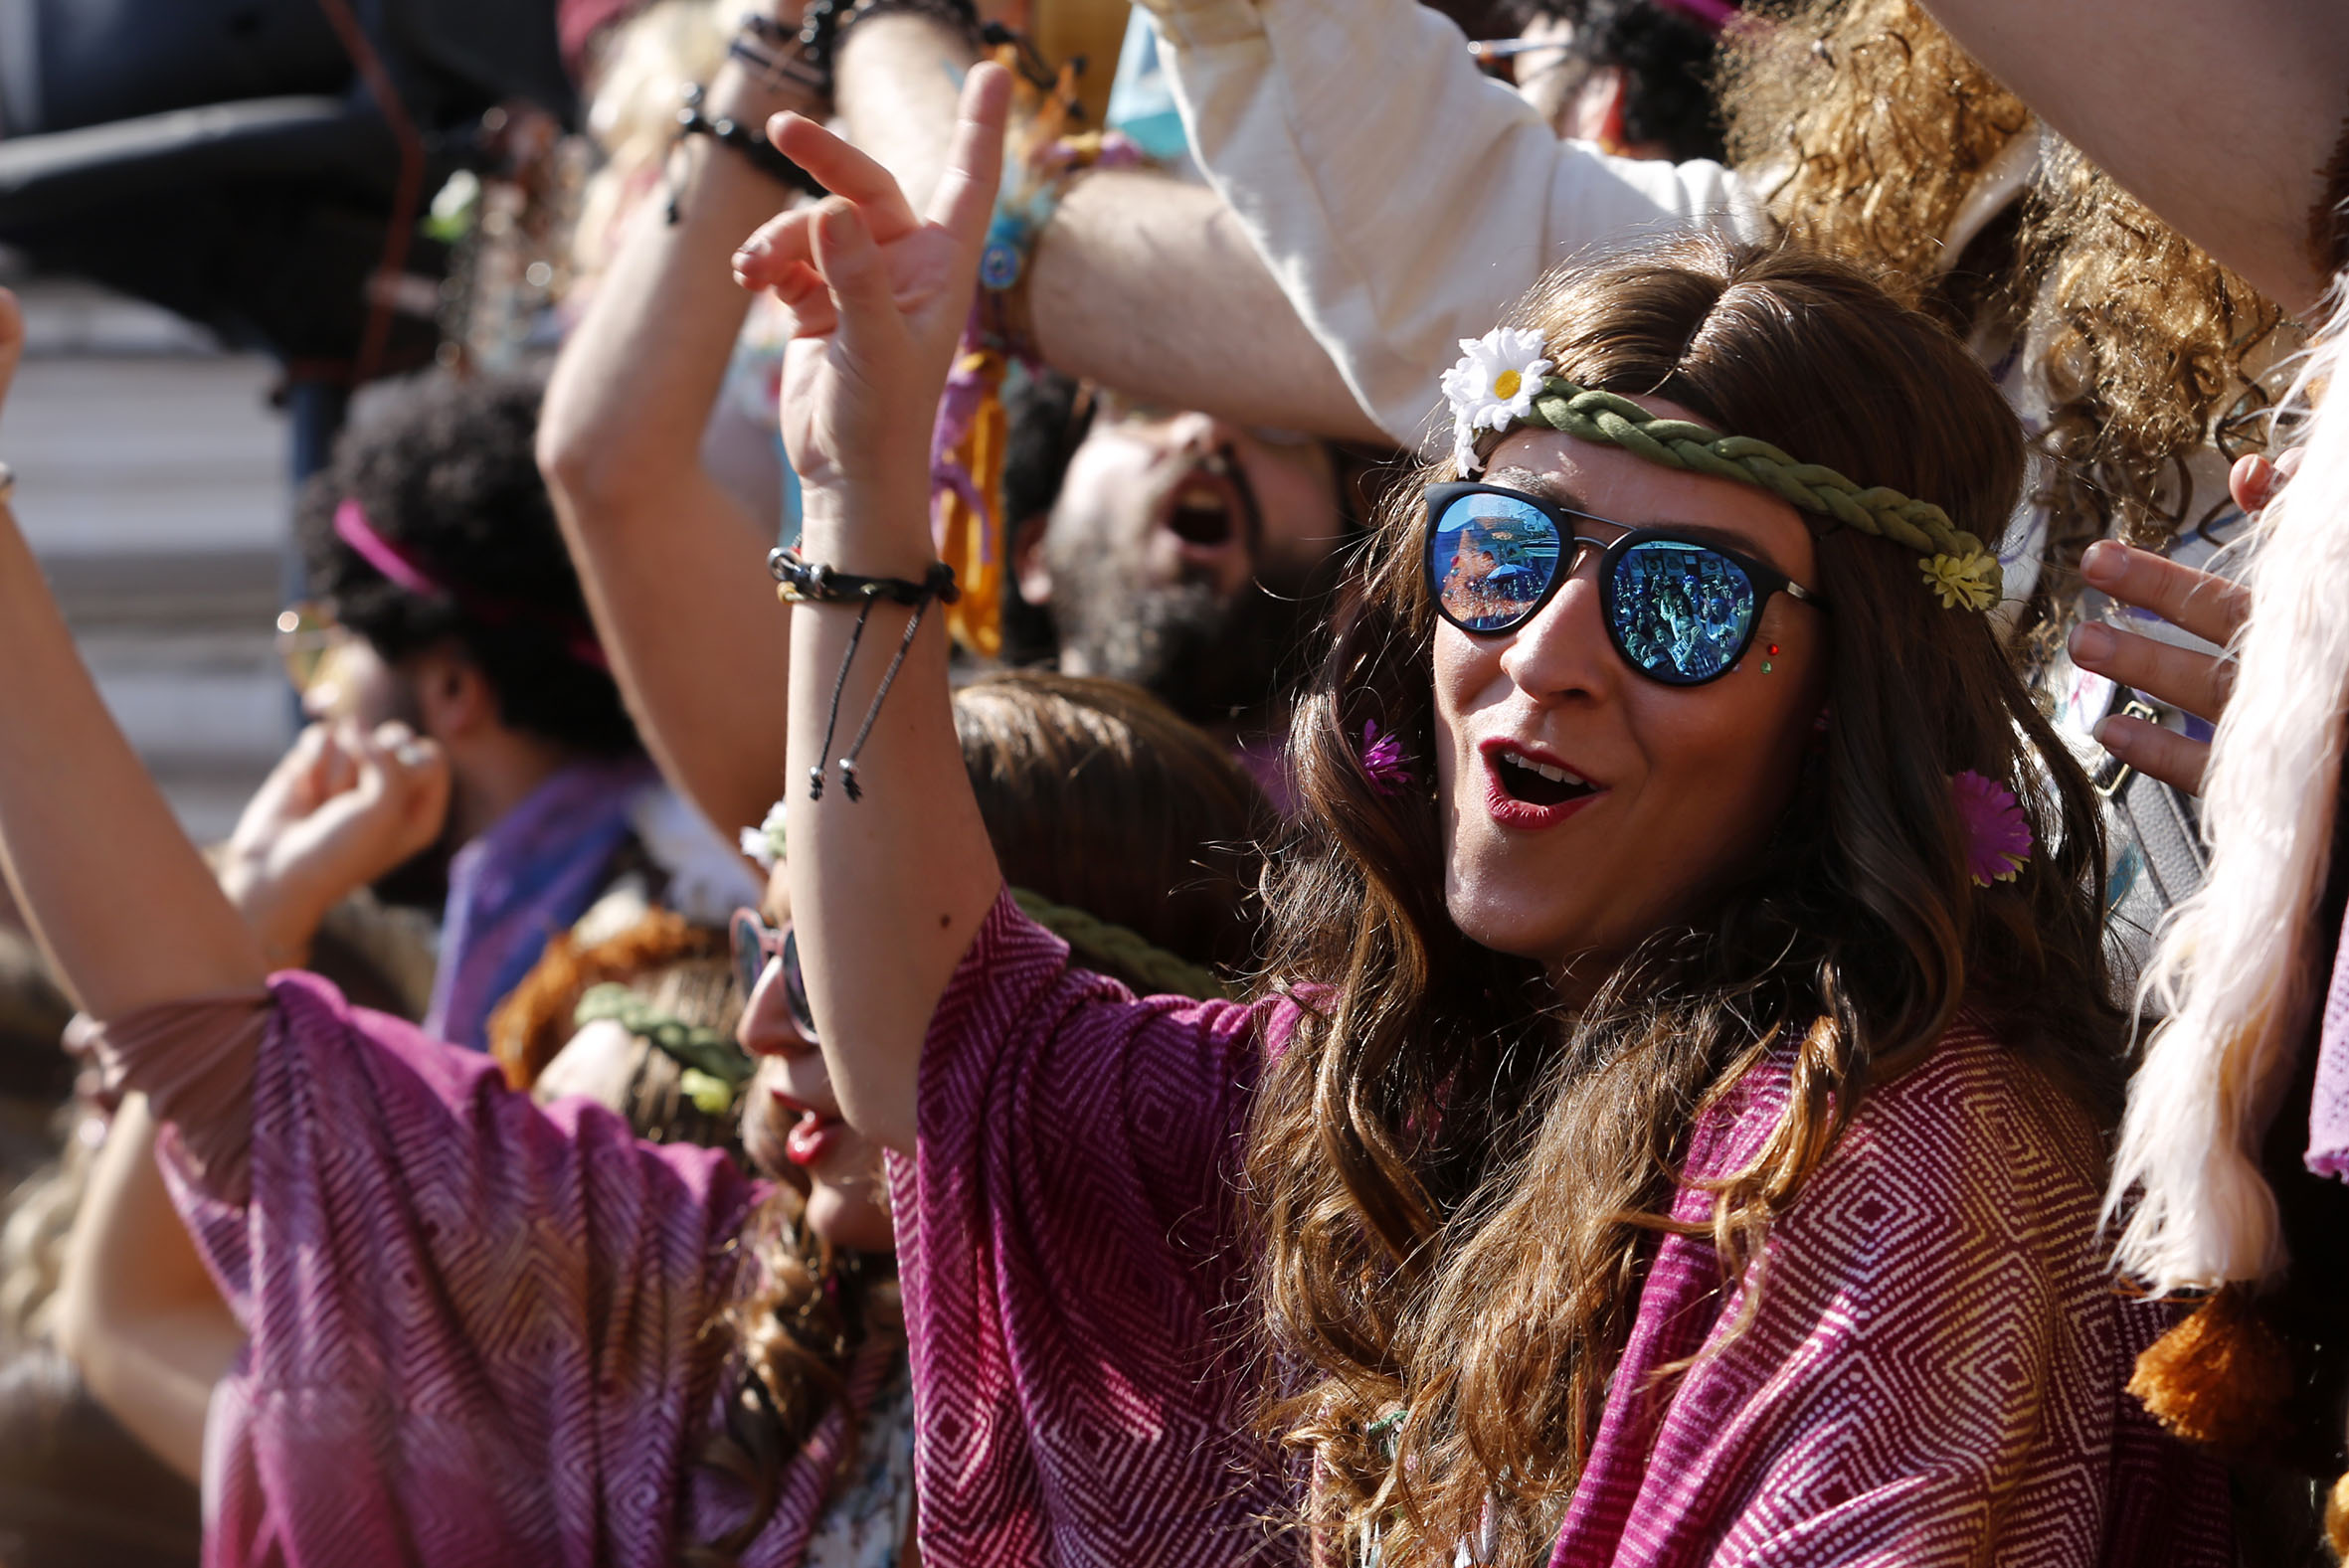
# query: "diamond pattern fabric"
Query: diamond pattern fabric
{"points": [[1934, 1375]]}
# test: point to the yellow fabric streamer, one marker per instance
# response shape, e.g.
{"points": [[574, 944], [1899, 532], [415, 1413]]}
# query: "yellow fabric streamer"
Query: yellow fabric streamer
{"points": [[962, 530]]}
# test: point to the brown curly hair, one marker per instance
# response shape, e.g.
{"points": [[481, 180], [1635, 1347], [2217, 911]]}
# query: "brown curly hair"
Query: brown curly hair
{"points": [[1454, 1187], [1870, 128]]}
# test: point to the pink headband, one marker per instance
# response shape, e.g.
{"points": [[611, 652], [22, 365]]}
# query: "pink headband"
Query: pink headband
{"points": [[403, 570], [1710, 14]]}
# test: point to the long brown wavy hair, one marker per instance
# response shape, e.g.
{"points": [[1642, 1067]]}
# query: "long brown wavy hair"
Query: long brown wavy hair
{"points": [[1869, 128], [1095, 795], [1456, 1186]]}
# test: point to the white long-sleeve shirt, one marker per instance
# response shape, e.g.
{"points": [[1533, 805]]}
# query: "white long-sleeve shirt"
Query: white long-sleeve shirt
{"points": [[1403, 199]]}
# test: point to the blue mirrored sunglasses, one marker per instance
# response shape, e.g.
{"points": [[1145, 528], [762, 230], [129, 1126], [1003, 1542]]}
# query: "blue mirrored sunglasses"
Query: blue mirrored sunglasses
{"points": [[1677, 611]]}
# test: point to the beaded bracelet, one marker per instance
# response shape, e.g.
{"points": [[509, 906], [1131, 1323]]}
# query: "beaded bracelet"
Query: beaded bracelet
{"points": [[758, 150]]}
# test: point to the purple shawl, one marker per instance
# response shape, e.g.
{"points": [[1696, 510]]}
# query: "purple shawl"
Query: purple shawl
{"points": [[534, 872], [477, 1329], [1934, 1374], [2328, 1110]]}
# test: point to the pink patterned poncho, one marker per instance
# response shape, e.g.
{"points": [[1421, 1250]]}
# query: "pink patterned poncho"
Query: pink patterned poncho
{"points": [[479, 1331], [1934, 1374]]}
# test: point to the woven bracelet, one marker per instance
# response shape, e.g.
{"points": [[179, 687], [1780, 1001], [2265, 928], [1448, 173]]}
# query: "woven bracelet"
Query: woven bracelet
{"points": [[743, 139], [797, 581]]}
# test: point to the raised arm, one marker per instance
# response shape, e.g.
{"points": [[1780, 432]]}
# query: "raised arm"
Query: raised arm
{"points": [[118, 897], [673, 564], [2229, 120], [1140, 281], [137, 1313], [891, 873], [1403, 199]]}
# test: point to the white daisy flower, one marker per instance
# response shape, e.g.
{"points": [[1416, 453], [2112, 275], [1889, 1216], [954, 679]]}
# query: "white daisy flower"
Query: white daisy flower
{"points": [[1493, 386]]}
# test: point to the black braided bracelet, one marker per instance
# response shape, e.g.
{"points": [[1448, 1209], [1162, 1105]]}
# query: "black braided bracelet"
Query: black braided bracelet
{"points": [[744, 140], [799, 583]]}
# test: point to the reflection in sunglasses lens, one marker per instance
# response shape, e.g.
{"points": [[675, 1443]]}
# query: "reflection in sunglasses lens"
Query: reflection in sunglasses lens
{"points": [[750, 956], [1678, 612], [1491, 560], [794, 989]]}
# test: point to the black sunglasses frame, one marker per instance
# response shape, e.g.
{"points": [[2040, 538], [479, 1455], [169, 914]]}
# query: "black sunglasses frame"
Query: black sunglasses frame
{"points": [[1766, 580]]}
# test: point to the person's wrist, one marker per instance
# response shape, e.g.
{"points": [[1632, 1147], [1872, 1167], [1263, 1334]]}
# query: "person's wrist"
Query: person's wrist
{"points": [[873, 530], [281, 916], [900, 32], [752, 97]]}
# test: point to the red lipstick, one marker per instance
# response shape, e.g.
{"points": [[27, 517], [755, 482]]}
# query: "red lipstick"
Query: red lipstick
{"points": [[810, 1139], [1528, 789]]}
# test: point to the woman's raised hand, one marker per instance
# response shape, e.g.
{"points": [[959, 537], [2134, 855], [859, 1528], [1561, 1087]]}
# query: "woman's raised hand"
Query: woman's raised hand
{"points": [[340, 809], [878, 297]]}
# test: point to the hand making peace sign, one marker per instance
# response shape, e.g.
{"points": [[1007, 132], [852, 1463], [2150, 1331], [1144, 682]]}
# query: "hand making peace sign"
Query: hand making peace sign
{"points": [[878, 297]]}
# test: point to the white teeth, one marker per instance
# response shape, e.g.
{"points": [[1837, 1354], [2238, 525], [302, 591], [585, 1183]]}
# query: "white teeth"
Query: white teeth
{"points": [[1553, 775]]}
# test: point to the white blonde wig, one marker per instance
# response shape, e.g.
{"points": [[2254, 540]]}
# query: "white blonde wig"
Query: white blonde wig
{"points": [[2240, 965]]}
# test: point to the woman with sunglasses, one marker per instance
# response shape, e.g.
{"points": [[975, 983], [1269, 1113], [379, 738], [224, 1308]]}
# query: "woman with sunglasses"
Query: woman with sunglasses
{"points": [[1672, 1128]]}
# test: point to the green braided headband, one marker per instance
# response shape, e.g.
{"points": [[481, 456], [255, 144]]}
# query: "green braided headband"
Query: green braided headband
{"points": [[714, 1067], [1128, 952], [1132, 955], [1502, 384]]}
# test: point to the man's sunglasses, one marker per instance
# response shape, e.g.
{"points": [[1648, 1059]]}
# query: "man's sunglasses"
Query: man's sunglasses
{"points": [[1679, 611], [755, 942]]}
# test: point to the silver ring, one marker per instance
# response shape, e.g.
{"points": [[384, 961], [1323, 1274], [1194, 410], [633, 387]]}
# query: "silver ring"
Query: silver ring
{"points": [[412, 753]]}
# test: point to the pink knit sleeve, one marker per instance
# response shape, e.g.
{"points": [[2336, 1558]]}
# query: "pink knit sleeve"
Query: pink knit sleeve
{"points": [[479, 1330], [193, 1060], [1068, 1239]]}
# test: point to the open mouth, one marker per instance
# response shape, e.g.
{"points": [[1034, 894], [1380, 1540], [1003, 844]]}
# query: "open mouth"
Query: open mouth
{"points": [[1202, 511], [1535, 782], [1209, 506]]}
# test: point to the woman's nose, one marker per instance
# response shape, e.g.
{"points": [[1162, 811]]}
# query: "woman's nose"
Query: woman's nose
{"points": [[1563, 651], [1200, 434], [766, 1028]]}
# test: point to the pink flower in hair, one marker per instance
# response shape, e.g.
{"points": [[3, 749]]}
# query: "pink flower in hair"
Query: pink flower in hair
{"points": [[1998, 836], [1383, 760]]}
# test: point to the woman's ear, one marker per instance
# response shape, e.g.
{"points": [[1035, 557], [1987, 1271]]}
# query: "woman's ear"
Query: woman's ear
{"points": [[453, 699]]}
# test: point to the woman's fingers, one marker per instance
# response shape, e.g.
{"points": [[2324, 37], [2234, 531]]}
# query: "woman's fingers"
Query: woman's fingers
{"points": [[2251, 482], [964, 200], [774, 247], [2254, 480], [404, 785], [2184, 678], [846, 172], [2150, 749], [870, 326], [2208, 605]]}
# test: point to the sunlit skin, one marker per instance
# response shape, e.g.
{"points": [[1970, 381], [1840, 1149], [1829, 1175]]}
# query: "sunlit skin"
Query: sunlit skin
{"points": [[1690, 780], [848, 1193]]}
